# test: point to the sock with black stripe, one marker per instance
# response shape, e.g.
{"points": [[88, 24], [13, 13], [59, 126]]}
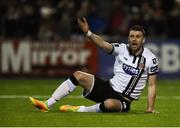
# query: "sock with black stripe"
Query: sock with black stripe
{"points": [[63, 90]]}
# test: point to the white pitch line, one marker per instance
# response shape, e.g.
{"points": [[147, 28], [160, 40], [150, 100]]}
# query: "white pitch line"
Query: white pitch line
{"points": [[27, 96], [75, 97]]}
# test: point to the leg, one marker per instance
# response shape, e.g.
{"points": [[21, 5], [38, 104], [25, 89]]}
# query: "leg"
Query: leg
{"points": [[84, 79], [111, 105], [107, 99], [100, 93]]}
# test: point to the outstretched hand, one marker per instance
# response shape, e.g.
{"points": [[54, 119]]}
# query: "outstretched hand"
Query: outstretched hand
{"points": [[83, 24]]}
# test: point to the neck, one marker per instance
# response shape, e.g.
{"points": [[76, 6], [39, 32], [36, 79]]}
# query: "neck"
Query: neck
{"points": [[137, 52]]}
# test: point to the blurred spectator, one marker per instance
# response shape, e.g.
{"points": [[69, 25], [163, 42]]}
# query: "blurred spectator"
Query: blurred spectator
{"points": [[54, 19], [159, 17], [12, 20], [147, 17], [30, 21], [136, 17], [64, 26], [84, 9], [46, 30], [174, 20], [117, 21], [96, 22]]}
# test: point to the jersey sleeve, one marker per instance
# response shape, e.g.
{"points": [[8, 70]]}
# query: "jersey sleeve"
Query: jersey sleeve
{"points": [[153, 65], [117, 48]]}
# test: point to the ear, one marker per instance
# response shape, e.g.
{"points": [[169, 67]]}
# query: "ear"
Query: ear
{"points": [[128, 39], [144, 40]]}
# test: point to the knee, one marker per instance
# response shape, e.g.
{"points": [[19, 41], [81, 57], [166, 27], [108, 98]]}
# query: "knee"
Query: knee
{"points": [[78, 75], [112, 105]]}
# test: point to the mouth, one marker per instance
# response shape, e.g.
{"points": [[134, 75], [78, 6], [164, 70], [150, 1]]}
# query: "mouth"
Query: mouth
{"points": [[134, 44]]}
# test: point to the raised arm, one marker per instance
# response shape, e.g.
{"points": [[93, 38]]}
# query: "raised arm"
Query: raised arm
{"points": [[94, 37], [151, 94]]}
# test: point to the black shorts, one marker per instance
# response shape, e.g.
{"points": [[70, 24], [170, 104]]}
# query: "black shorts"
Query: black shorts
{"points": [[102, 90]]}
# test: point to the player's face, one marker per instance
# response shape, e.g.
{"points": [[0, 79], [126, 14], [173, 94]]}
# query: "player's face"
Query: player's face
{"points": [[136, 40]]}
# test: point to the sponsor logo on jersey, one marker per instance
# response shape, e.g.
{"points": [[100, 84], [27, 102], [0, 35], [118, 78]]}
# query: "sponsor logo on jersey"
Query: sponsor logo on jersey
{"points": [[130, 70], [154, 69]]}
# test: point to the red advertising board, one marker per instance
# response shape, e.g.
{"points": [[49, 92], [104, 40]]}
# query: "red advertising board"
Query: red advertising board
{"points": [[47, 59]]}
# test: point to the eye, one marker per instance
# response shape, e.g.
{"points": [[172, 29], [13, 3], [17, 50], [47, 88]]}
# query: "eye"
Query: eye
{"points": [[137, 36], [131, 36]]}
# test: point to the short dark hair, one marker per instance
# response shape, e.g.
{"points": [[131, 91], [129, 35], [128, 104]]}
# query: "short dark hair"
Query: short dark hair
{"points": [[138, 28]]}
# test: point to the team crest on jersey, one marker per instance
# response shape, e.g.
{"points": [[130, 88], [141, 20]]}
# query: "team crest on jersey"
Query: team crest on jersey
{"points": [[141, 66], [130, 70]]}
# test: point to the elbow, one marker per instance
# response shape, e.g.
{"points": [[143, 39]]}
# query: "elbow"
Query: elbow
{"points": [[107, 47]]}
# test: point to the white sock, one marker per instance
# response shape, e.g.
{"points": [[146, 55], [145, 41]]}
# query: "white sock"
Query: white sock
{"points": [[51, 101], [93, 108], [63, 90]]}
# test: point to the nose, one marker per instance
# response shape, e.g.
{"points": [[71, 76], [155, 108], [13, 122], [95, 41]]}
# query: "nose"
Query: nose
{"points": [[133, 39]]}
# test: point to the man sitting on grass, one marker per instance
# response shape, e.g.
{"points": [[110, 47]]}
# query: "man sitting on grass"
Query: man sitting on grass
{"points": [[133, 65]]}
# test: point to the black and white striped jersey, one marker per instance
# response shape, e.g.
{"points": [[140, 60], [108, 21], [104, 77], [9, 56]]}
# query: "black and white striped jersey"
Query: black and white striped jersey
{"points": [[131, 72]]}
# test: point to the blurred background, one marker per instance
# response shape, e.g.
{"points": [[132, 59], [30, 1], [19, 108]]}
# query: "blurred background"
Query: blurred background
{"points": [[41, 38]]}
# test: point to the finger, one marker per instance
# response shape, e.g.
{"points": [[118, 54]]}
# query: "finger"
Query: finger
{"points": [[84, 20], [155, 112], [148, 111], [78, 20]]}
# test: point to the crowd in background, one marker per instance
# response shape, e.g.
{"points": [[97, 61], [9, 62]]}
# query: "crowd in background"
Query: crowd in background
{"points": [[56, 19]]}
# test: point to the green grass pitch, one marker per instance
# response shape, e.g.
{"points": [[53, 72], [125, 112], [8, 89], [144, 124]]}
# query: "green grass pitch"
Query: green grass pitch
{"points": [[16, 110]]}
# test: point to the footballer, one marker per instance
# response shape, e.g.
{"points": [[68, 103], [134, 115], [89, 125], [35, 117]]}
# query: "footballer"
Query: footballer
{"points": [[134, 65]]}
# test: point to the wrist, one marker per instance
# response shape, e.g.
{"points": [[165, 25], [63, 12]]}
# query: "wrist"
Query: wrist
{"points": [[88, 33]]}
